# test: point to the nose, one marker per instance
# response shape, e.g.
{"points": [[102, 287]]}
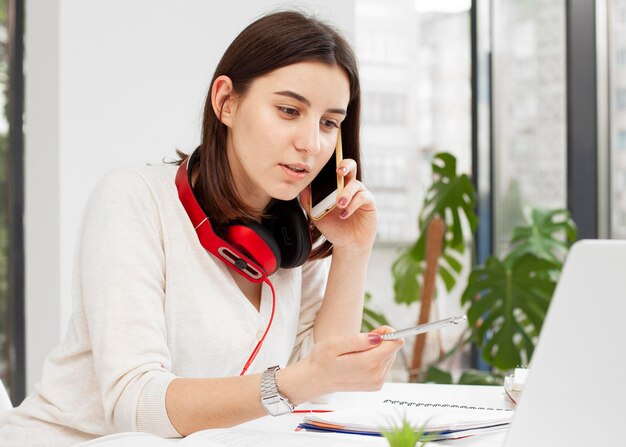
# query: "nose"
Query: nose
{"points": [[308, 138]]}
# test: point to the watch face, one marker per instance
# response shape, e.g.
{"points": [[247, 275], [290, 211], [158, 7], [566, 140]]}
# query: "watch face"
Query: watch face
{"points": [[278, 408]]}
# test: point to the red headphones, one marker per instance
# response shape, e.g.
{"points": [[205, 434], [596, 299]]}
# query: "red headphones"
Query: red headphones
{"points": [[253, 250]]}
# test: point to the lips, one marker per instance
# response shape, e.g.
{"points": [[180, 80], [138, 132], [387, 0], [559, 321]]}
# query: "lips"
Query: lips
{"points": [[297, 168], [295, 172]]}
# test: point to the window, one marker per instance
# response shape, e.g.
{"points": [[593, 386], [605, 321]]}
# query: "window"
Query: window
{"points": [[415, 77], [415, 66], [385, 108], [4, 129], [529, 127], [621, 220], [621, 140], [620, 98], [617, 117]]}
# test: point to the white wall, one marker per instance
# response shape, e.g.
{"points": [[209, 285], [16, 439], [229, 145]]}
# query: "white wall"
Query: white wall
{"points": [[110, 83]]}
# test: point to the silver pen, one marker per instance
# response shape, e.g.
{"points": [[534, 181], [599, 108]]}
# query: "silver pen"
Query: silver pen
{"points": [[423, 328]]}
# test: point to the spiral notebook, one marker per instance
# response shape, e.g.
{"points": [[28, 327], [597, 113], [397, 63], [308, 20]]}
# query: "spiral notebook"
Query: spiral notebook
{"points": [[440, 420]]}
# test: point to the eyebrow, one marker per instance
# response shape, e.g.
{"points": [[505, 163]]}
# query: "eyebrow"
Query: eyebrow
{"points": [[305, 101]]}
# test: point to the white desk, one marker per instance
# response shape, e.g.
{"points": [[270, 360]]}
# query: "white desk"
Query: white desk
{"points": [[484, 396]]}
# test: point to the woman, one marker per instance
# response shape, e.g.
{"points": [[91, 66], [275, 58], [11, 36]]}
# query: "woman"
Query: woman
{"points": [[168, 338]]}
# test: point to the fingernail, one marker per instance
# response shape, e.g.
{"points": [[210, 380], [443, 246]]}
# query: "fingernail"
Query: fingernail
{"points": [[343, 214], [343, 170], [374, 338], [342, 201]]}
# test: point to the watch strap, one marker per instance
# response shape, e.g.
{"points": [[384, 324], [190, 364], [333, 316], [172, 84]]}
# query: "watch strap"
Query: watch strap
{"points": [[271, 399]]}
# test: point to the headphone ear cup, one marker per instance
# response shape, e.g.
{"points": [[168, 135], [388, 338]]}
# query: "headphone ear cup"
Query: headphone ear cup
{"points": [[256, 242], [290, 229]]}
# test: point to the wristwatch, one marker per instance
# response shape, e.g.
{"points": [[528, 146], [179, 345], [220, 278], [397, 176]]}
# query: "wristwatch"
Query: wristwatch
{"points": [[271, 399]]}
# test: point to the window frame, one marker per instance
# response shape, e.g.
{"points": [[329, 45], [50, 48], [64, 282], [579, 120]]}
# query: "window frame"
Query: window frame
{"points": [[15, 178]]}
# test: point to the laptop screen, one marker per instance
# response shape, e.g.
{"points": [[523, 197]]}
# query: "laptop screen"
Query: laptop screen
{"points": [[575, 394]]}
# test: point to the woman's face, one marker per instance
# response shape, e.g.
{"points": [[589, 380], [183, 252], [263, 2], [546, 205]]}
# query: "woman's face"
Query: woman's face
{"points": [[284, 130]]}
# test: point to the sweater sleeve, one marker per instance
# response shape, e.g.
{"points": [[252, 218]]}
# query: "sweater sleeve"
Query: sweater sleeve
{"points": [[122, 287], [314, 279]]}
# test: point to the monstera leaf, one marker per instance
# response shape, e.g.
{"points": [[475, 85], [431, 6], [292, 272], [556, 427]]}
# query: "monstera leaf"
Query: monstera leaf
{"points": [[548, 234], [508, 301], [452, 197]]}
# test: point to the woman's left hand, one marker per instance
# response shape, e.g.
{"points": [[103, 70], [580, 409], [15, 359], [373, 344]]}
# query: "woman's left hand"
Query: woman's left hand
{"points": [[352, 224]]}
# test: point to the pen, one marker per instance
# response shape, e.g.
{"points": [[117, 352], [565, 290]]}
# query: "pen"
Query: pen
{"points": [[423, 328]]}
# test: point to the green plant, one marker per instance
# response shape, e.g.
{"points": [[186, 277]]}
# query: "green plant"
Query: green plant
{"points": [[507, 298], [406, 436], [548, 235], [468, 377], [371, 318], [452, 197]]}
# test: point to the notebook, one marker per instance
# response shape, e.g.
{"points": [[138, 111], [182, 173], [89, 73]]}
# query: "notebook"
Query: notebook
{"points": [[438, 420], [575, 393]]}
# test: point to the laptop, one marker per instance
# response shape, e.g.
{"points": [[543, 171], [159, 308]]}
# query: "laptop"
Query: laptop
{"points": [[575, 394]]}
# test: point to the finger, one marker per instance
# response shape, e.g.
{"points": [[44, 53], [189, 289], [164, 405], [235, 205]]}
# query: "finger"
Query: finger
{"points": [[363, 199], [387, 348], [355, 343], [383, 330], [347, 168], [392, 346], [380, 358], [390, 363], [350, 189]]}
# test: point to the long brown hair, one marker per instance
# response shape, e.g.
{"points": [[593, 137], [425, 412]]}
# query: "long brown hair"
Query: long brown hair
{"points": [[271, 42]]}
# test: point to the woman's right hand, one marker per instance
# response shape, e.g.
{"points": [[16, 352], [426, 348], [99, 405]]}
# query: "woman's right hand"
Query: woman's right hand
{"points": [[343, 363]]}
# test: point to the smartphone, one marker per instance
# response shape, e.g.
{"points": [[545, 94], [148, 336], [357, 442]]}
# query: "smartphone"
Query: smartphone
{"points": [[327, 185]]}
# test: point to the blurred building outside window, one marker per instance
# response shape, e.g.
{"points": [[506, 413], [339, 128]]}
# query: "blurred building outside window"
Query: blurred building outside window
{"points": [[415, 65], [617, 115], [529, 110]]}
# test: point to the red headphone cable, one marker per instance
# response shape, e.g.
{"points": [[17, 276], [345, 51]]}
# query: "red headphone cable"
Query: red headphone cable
{"points": [[269, 324]]}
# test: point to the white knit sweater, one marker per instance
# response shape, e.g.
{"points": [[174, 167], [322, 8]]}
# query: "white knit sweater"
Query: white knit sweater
{"points": [[150, 304]]}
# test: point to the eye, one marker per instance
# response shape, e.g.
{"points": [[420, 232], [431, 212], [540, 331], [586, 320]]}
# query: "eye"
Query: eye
{"points": [[330, 124], [289, 111]]}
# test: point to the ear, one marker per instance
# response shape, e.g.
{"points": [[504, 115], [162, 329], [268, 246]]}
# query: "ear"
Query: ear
{"points": [[223, 99]]}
